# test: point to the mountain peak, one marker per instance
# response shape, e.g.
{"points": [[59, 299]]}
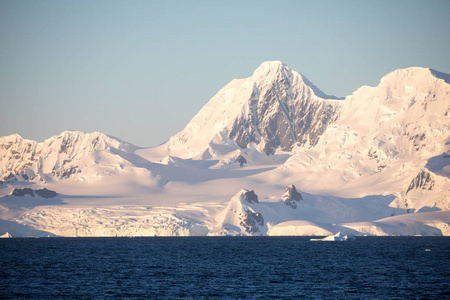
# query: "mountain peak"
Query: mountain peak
{"points": [[274, 108], [414, 76], [411, 72], [270, 67], [14, 136], [272, 64], [274, 70]]}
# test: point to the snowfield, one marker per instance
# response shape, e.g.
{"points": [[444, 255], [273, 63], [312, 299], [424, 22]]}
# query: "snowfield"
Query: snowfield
{"points": [[268, 155]]}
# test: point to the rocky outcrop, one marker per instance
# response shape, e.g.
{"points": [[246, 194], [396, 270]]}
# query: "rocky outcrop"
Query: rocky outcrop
{"points": [[44, 193], [427, 191], [251, 221], [242, 216], [22, 192], [9, 178], [241, 160], [423, 181], [250, 196], [291, 196]]}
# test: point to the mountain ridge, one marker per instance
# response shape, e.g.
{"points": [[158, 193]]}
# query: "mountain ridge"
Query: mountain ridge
{"points": [[359, 165], [57, 156]]}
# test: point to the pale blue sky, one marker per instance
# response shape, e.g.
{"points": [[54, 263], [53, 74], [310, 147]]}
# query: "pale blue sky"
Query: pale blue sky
{"points": [[140, 70]]}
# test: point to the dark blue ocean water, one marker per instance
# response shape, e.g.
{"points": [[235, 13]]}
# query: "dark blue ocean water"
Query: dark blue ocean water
{"points": [[226, 267]]}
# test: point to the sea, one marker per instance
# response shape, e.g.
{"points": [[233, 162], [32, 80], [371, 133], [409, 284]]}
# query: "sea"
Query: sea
{"points": [[225, 268]]}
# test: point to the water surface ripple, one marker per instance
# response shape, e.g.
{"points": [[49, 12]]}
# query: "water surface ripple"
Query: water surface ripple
{"points": [[225, 267]]}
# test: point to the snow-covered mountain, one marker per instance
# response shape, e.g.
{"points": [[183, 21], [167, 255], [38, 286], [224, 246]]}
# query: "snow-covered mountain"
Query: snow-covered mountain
{"points": [[384, 142], [376, 162], [72, 154], [275, 108]]}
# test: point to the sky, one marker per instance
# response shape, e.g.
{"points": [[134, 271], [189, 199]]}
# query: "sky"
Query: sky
{"points": [[140, 70]]}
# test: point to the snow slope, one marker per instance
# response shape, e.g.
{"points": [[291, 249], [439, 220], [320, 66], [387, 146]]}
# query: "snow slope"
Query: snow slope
{"points": [[434, 223], [383, 141], [375, 163]]}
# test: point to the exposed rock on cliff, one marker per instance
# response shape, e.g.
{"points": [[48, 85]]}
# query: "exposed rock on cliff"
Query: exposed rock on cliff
{"points": [[291, 196]]}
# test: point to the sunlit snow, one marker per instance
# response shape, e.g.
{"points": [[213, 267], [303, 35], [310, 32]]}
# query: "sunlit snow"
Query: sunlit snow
{"points": [[374, 163]]}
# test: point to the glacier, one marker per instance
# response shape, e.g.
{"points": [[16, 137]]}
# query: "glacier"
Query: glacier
{"points": [[373, 163]]}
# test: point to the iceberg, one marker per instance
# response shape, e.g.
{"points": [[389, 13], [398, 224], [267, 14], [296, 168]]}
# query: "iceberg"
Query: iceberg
{"points": [[6, 236], [338, 237]]}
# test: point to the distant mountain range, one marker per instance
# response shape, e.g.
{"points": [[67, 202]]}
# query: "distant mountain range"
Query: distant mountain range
{"points": [[382, 152]]}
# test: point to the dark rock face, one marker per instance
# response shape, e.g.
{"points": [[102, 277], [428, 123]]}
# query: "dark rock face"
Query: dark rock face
{"points": [[291, 196], [66, 173], [44, 193], [22, 192], [251, 197], [418, 141], [251, 221], [283, 112], [422, 181], [241, 160], [10, 177]]}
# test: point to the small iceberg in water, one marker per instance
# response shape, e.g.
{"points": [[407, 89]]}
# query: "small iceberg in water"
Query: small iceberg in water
{"points": [[6, 236], [338, 237]]}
